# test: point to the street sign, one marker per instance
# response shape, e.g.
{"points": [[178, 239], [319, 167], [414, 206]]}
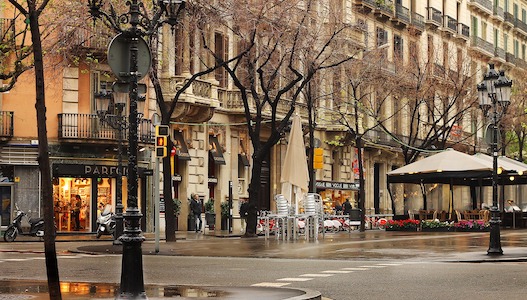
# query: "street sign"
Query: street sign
{"points": [[119, 57]]}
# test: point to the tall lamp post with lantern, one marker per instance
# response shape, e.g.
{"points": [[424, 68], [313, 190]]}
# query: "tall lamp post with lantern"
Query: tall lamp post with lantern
{"points": [[494, 94], [131, 62]]}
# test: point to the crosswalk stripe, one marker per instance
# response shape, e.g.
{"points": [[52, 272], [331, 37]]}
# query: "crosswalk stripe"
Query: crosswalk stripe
{"points": [[317, 275], [294, 279], [355, 269], [372, 267], [271, 284], [389, 265], [337, 271]]}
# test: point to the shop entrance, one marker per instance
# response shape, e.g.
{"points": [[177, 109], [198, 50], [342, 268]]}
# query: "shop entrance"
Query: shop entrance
{"points": [[72, 198]]}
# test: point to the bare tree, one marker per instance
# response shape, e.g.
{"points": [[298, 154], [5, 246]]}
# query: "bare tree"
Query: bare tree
{"points": [[361, 92], [282, 45], [514, 123], [32, 11], [436, 100]]}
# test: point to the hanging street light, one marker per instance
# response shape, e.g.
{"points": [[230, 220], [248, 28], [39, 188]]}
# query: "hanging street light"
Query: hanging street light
{"points": [[494, 94], [132, 26]]}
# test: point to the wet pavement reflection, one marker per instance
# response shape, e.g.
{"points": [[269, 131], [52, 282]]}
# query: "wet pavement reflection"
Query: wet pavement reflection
{"points": [[77, 290]]}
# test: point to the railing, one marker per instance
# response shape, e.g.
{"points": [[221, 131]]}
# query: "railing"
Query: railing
{"points": [[386, 6], [522, 26], [499, 52], [6, 124], [464, 30], [418, 21], [402, 13], [90, 127], [498, 11], [93, 38], [435, 16], [509, 57], [482, 44], [451, 23], [487, 4], [509, 17], [520, 62]]}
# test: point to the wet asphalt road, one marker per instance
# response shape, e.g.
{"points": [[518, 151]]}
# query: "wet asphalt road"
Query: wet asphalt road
{"points": [[389, 264]]}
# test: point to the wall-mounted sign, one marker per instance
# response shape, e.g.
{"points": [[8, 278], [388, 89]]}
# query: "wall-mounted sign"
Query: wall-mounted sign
{"points": [[337, 185]]}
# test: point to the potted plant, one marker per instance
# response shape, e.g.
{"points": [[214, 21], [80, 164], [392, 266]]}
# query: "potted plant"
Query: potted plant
{"points": [[402, 225], [210, 216], [225, 214], [435, 225], [475, 225]]}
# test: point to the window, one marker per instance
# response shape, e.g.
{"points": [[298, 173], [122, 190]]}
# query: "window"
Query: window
{"points": [[506, 6], [382, 36], [506, 42], [398, 46], [483, 30], [524, 15], [516, 48], [523, 51], [474, 26], [221, 43], [515, 10], [496, 33]]}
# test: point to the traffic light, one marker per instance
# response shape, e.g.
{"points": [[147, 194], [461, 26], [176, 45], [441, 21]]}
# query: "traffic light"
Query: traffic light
{"points": [[318, 158], [161, 140]]}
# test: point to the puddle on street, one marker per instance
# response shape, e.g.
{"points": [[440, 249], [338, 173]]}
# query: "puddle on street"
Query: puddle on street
{"points": [[77, 290]]}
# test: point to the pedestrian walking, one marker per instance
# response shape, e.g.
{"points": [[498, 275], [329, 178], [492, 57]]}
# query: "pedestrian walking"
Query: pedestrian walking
{"points": [[195, 208], [346, 206], [244, 211]]}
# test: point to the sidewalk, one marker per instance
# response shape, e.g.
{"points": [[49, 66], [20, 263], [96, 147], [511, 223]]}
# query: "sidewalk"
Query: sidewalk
{"points": [[368, 245]]}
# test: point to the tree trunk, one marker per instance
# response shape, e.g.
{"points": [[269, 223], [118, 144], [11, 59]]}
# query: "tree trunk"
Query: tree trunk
{"points": [[43, 158], [254, 194]]}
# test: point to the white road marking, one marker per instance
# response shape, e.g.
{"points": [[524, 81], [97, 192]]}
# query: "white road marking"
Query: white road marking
{"points": [[294, 279], [271, 284], [317, 275], [389, 264], [337, 271], [355, 269], [372, 267]]}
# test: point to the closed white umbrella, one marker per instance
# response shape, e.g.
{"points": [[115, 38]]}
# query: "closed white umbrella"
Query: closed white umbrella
{"points": [[295, 174]]}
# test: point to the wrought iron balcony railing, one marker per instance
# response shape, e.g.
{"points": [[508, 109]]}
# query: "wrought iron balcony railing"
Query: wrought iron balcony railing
{"points": [[434, 17], [418, 21], [6, 124], [89, 127]]}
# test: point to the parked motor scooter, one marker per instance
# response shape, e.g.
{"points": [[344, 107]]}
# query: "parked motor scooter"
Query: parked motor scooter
{"points": [[36, 226], [106, 222]]}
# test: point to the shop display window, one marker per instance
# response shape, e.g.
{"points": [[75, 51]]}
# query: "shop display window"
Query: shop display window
{"points": [[72, 203]]}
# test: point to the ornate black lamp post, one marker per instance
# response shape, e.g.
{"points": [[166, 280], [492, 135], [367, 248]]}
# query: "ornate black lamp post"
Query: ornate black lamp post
{"points": [[132, 26], [494, 95]]}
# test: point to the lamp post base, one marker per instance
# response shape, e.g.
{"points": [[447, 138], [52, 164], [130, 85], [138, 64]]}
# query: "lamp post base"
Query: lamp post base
{"points": [[495, 240]]}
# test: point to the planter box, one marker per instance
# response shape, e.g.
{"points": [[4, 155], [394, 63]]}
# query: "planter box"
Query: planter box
{"points": [[472, 230], [438, 229], [210, 220], [401, 229]]}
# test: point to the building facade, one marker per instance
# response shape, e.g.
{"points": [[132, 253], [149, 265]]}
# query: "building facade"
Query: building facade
{"points": [[213, 155]]}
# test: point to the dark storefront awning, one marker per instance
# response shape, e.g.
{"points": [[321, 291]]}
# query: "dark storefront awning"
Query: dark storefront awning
{"points": [[243, 160], [215, 151], [181, 146]]}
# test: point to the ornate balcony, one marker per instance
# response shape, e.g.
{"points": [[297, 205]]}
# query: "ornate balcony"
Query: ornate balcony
{"points": [[498, 13], [509, 19], [6, 125], [434, 17], [418, 22], [88, 128], [480, 45], [499, 54], [95, 38], [196, 104], [520, 27], [402, 15], [482, 6], [450, 24], [463, 31]]}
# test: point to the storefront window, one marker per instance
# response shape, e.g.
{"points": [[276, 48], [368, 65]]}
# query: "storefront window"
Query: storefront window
{"points": [[72, 203]]}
